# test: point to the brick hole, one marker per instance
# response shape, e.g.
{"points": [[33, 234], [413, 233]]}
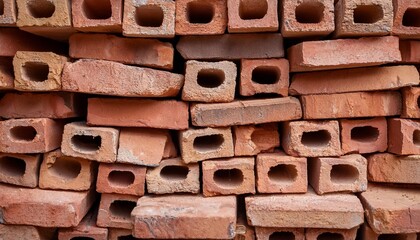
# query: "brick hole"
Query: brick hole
{"points": [[210, 78], [309, 12], [12, 166], [344, 174], [1, 7], [121, 178], [97, 9], [208, 143], [265, 75], [128, 237], [411, 17], [418, 101], [66, 168], [282, 236], [35, 71], [122, 208], [229, 178], [283, 173], [149, 16], [330, 236], [23, 133], [368, 14], [174, 173], [86, 143], [416, 137], [82, 238], [319, 138], [252, 9], [393, 237], [364, 134], [200, 12], [41, 8]]}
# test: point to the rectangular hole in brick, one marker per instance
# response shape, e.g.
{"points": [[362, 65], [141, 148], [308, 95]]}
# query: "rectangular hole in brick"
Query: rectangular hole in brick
{"points": [[416, 137], [282, 236], [344, 174], [149, 16], [41, 8], [200, 12], [364, 134], [1, 7], [309, 12], [97, 9], [392, 237], [128, 237], [253, 9], [330, 236], [266, 75], [228, 178], [174, 173], [208, 143], [23, 133], [411, 17], [122, 209], [11, 166], [66, 168], [210, 78], [121, 178], [283, 173], [82, 238], [35, 71], [86, 143], [368, 14], [319, 138]]}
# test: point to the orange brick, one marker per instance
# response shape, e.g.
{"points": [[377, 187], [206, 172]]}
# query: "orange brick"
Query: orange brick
{"points": [[8, 14], [86, 229], [411, 102], [343, 234], [406, 21], [115, 211], [267, 233], [6, 73], [368, 233], [410, 51], [403, 136], [19, 169], [119, 234], [252, 139], [25, 232]]}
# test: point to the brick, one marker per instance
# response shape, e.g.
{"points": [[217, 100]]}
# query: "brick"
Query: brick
{"points": [[220, 47], [243, 230], [209, 81], [406, 22], [87, 229], [252, 16], [280, 173], [244, 112], [119, 80], [198, 17], [137, 51], [207, 143], [184, 216], [120, 234], [41, 105], [410, 51], [311, 138], [173, 176], [368, 233], [38, 71], [264, 76], [121, 179], [153, 18], [6, 73], [30, 135], [410, 102], [403, 136], [252, 139], [115, 211], [25, 232], [93, 143], [8, 13], [265, 233], [296, 211], [59, 208], [344, 234], [343, 174], [352, 105], [390, 168], [391, 210], [19, 169], [143, 146], [166, 114], [362, 52], [354, 80], [363, 18], [97, 15], [307, 18], [364, 135], [228, 176], [66, 173]]}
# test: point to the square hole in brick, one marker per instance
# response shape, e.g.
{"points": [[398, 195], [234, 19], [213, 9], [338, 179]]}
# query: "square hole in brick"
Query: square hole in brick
{"points": [[208, 143], [368, 14], [86, 143], [11, 166], [319, 138], [149, 16], [228, 178], [122, 209], [66, 168], [121, 179], [282, 173], [200, 12], [1, 7], [97, 9], [266, 75], [35, 71], [282, 236], [174, 173], [253, 9], [309, 12], [411, 17], [364, 134], [344, 174], [330, 236], [41, 8], [23, 133]]}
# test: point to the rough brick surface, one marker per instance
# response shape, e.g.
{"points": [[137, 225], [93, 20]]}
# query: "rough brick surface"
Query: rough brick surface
{"points": [[411, 106], [344, 234], [25, 232], [119, 234], [406, 22], [368, 233], [267, 233], [19, 169], [8, 16], [252, 139], [6, 73], [403, 136], [410, 51], [96, 15], [86, 229], [115, 211]]}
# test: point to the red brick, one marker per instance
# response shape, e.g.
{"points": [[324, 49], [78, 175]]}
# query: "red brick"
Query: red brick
{"points": [[97, 15], [167, 114], [38, 71], [30, 135], [115, 211], [66, 173], [343, 234], [209, 81], [25, 232], [280, 173], [93, 143], [19, 169], [265, 233], [120, 234], [307, 18], [363, 52], [268, 45], [352, 105], [246, 112], [410, 51], [252, 139], [121, 179], [252, 16], [184, 216], [391, 209], [305, 210], [6, 73], [228, 176], [119, 80], [364, 135], [198, 17], [44, 208], [87, 229], [390, 168], [173, 176], [343, 174], [137, 51], [243, 230], [354, 80], [9, 12], [264, 76], [406, 21], [311, 138], [411, 102], [403, 136], [363, 18], [368, 233]]}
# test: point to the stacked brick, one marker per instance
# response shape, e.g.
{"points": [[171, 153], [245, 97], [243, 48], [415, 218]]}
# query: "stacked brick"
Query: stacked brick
{"points": [[223, 119]]}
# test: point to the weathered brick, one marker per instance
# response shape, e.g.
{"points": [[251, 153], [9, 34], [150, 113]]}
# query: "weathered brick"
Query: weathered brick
{"points": [[368, 233], [243, 230], [6, 73], [97, 15], [120, 234], [86, 229], [266, 233], [403, 136], [343, 234], [8, 16], [406, 22], [410, 51], [19, 169], [252, 139], [410, 102], [25, 232], [115, 211]]}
